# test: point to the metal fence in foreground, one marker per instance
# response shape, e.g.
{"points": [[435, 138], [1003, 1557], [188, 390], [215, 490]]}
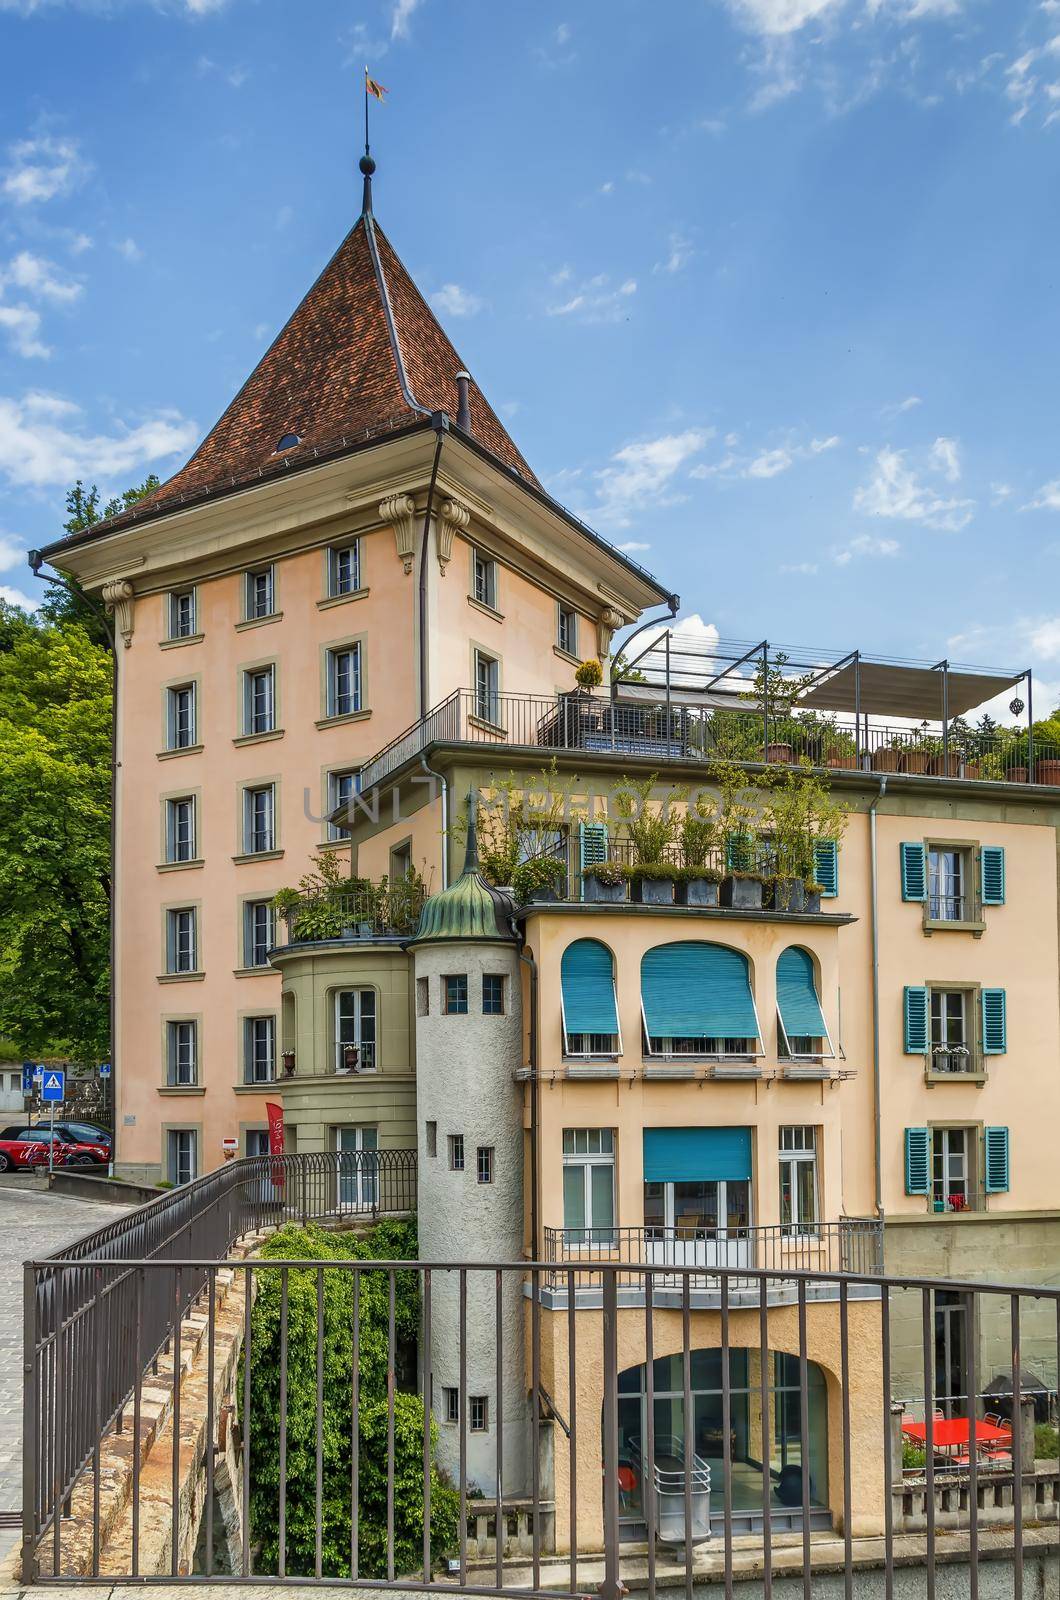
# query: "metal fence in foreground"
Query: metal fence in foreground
{"points": [[640, 1442]]}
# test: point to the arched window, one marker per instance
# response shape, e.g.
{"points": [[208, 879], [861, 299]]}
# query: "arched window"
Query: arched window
{"points": [[696, 1000], [589, 1004], [802, 1033]]}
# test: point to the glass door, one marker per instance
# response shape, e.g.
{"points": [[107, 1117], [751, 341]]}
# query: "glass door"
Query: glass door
{"points": [[698, 1224], [358, 1168]]}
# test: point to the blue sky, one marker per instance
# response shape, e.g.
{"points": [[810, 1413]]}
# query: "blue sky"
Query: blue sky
{"points": [[764, 289]]}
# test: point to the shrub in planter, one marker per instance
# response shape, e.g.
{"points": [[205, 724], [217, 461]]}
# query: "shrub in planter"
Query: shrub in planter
{"points": [[698, 886], [605, 882], [742, 891], [590, 675], [652, 883], [784, 894], [538, 881], [813, 892]]}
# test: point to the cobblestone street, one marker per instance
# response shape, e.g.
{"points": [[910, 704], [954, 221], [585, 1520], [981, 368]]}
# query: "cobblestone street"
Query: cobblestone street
{"points": [[33, 1223]]}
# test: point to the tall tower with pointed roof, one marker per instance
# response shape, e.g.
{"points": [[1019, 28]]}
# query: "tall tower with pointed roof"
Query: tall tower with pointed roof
{"points": [[356, 540]]}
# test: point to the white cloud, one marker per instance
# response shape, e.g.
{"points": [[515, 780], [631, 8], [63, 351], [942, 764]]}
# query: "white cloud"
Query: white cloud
{"points": [[37, 276], [802, 569], [894, 491], [819, 446], [865, 545], [15, 597], [1047, 498], [400, 18], [43, 446], [596, 300], [80, 243], [642, 474], [999, 493], [129, 250], [910, 403], [946, 458], [679, 254], [769, 463], [22, 326], [631, 546], [11, 552], [781, 16], [453, 301], [766, 461], [40, 169]]}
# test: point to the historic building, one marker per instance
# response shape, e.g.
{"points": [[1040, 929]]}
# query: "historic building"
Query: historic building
{"points": [[355, 608]]}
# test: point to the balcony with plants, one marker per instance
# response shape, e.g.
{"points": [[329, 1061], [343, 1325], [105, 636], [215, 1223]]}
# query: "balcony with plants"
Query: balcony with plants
{"points": [[328, 904]]}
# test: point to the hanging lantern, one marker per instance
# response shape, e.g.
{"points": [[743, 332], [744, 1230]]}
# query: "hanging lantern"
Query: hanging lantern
{"points": [[1016, 707]]}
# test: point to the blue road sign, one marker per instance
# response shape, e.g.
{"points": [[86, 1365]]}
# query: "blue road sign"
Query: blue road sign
{"points": [[104, 1069], [53, 1085], [38, 1072], [28, 1071]]}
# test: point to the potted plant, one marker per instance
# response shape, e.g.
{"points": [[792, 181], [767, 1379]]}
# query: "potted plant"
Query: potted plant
{"points": [[287, 1058], [917, 757], [812, 893], [589, 676], [651, 833], [698, 882], [739, 831], [604, 883], [537, 882], [885, 757], [782, 893], [840, 749]]}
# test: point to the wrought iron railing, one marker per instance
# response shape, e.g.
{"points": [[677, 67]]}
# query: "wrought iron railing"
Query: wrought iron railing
{"points": [[853, 1244], [385, 910], [658, 731]]}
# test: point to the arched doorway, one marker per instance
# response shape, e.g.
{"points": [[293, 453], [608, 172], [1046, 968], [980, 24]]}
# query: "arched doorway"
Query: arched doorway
{"points": [[784, 1465]]}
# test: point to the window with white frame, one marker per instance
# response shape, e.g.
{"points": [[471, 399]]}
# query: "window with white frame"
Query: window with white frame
{"points": [[180, 829], [951, 1046], [799, 1183], [342, 786], [456, 1152], [355, 1030], [484, 1163], [258, 932], [259, 1049], [259, 700], [450, 1404], [567, 630], [181, 940], [180, 717], [485, 580], [344, 681], [182, 1155], [952, 1157], [588, 1185], [260, 594], [493, 994], [344, 569], [487, 687], [950, 875], [259, 819], [182, 1054], [182, 609], [477, 1413]]}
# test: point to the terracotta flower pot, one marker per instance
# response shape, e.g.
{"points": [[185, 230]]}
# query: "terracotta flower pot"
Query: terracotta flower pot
{"points": [[942, 767], [1016, 775], [841, 763], [1048, 771], [915, 761], [885, 760], [779, 753]]}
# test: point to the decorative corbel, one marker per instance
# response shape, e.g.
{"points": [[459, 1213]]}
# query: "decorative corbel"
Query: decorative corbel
{"points": [[455, 519], [606, 623], [118, 598], [399, 510]]}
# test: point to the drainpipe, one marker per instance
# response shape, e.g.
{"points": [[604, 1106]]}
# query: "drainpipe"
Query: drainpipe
{"points": [[535, 1094], [440, 423], [445, 817], [876, 1096]]}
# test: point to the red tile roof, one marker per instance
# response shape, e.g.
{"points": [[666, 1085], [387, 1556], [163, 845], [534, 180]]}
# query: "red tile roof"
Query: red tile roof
{"points": [[362, 356]]}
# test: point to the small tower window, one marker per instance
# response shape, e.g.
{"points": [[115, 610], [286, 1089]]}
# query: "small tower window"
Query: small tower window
{"points": [[432, 1138], [477, 1413], [492, 994], [451, 1404], [456, 1152], [484, 1163], [423, 997], [455, 991]]}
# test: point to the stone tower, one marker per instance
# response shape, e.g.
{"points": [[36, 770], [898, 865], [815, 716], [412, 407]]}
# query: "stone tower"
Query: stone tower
{"points": [[470, 1136]]}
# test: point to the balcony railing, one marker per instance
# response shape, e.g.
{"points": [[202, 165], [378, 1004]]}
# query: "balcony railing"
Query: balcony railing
{"points": [[657, 731], [389, 909], [853, 1244]]}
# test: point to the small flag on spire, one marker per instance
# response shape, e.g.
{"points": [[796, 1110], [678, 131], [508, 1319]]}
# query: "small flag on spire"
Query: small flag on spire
{"points": [[371, 87]]}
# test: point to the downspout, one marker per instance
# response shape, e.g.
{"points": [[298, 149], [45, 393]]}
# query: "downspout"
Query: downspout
{"points": [[440, 422], [876, 1089], [443, 780], [535, 1094]]}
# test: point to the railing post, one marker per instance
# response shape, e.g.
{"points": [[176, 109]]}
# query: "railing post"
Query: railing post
{"points": [[30, 1423], [611, 1588]]}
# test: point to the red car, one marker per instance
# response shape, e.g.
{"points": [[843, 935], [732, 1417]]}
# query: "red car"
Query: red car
{"points": [[28, 1147]]}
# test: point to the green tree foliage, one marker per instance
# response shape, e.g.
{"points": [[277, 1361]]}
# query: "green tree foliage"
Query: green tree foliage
{"points": [[84, 508], [55, 694], [388, 1241]]}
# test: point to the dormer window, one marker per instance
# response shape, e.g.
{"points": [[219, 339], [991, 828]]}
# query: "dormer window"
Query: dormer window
{"points": [[288, 442]]}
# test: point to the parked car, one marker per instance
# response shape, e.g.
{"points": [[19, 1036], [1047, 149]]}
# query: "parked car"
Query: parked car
{"points": [[84, 1133], [19, 1155], [68, 1152]]}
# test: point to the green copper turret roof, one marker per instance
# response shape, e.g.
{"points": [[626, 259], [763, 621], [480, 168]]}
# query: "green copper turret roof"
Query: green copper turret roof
{"points": [[470, 908]]}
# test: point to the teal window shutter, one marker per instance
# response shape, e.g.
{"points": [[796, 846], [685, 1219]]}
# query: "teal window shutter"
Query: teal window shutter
{"points": [[995, 1022], [826, 866], [739, 853], [992, 874], [588, 979], [914, 872], [995, 1160], [917, 1161], [697, 991], [592, 843], [797, 1002], [915, 1009]]}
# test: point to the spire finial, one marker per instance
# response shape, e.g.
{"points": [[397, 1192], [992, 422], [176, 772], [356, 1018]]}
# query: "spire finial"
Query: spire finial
{"points": [[367, 166], [471, 846]]}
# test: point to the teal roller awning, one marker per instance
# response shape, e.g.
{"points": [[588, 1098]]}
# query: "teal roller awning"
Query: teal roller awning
{"points": [[587, 976], [797, 1002], [696, 1155], [697, 991]]}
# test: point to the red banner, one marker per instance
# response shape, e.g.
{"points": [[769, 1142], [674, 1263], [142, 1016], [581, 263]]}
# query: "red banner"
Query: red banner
{"points": [[275, 1113]]}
